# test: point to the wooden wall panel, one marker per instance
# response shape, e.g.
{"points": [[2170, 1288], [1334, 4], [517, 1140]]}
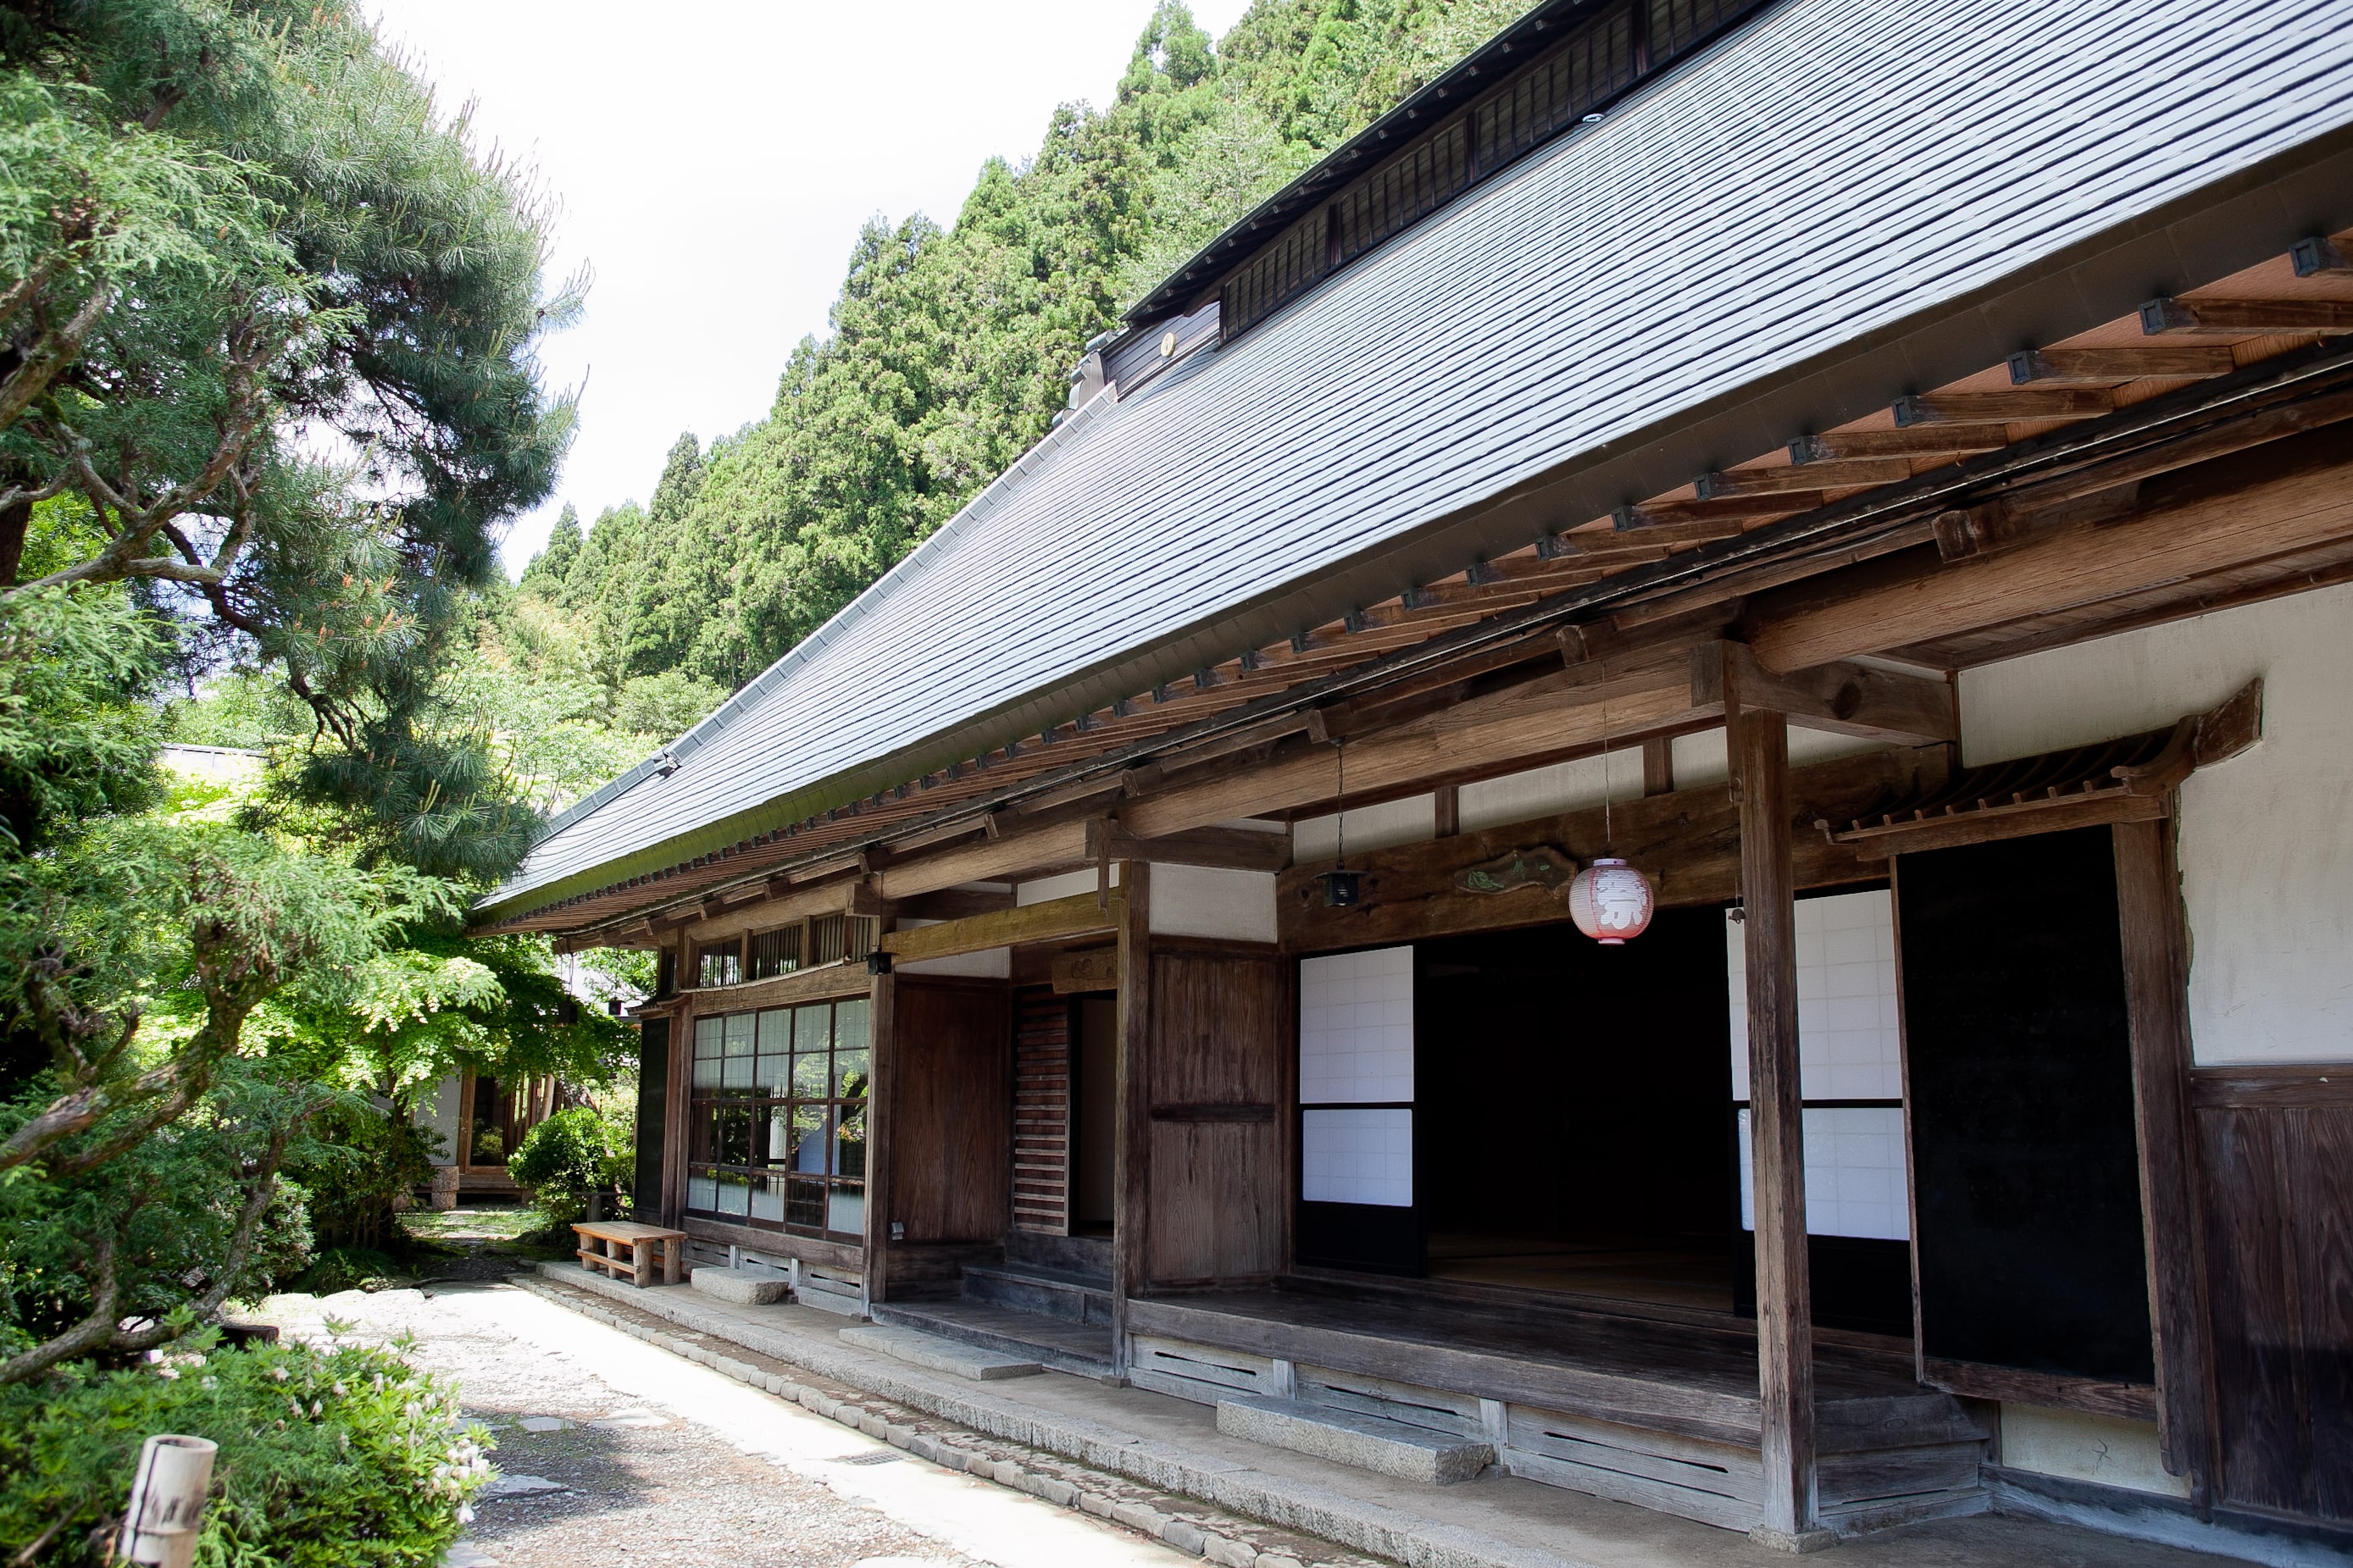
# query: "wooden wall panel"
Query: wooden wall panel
{"points": [[1041, 1111], [952, 1109], [1219, 1160], [2278, 1181]]}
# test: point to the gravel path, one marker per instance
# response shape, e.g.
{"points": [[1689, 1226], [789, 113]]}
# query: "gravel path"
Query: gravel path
{"points": [[610, 1451]]}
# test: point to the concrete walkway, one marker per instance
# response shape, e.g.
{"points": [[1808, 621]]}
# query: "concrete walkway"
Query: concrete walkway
{"points": [[1080, 1441], [610, 1451]]}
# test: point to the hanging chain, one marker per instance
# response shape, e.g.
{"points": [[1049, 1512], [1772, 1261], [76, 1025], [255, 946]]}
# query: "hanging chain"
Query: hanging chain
{"points": [[1608, 836], [1340, 800]]}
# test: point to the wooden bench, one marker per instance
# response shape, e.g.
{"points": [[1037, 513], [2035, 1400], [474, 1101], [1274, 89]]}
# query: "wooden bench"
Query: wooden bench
{"points": [[625, 1250]]}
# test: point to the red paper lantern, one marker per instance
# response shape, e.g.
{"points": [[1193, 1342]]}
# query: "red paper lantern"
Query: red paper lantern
{"points": [[1611, 902]]}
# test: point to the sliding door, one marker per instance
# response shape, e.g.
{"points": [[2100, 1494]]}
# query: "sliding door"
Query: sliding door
{"points": [[2032, 1273], [1356, 1128]]}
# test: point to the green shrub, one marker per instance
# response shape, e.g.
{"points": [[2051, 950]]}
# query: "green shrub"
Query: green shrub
{"points": [[359, 1171], [338, 1458], [570, 1154], [348, 1268]]}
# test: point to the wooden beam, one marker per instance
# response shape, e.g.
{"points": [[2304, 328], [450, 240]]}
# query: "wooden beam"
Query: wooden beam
{"points": [[1446, 802], [2162, 316], [1079, 915], [2001, 407], [952, 904], [780, 909], [2156, 982], [1231, 848], [1804, 476], [1785, 1316], [2196, 526], [2100, 367], [1730, 510], [1845, 699], [1058, 848], [1941, 440], [1687, 843], [1132, 1152], [1627, 700]]}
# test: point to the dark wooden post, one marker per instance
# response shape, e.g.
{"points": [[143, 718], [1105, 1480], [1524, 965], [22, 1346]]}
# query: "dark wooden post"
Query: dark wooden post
{"points": [[1132, 1152], [677, 1115], [882, 1095], [2157, 976], [1784, 1309]]}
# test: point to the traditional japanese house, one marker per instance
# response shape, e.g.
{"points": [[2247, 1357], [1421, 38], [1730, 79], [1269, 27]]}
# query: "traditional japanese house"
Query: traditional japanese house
{"points": [[1883, 471]]}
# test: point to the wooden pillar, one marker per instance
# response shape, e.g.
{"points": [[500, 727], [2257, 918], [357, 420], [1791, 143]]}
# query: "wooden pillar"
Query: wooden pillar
{"points": [[1659, 766], [2157, 986], [1132, 1155], [678, 1111], [882, 1098], [1785, 1314]]}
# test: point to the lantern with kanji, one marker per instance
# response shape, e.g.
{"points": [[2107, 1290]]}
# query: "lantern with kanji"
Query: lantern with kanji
{"points": [[1610, 901]]}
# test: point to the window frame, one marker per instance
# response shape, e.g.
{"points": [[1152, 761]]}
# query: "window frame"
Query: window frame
{"points": [[748, 1125]]}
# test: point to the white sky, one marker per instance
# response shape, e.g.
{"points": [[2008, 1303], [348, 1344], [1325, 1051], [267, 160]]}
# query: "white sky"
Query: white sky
{"points": [[715, 158]]}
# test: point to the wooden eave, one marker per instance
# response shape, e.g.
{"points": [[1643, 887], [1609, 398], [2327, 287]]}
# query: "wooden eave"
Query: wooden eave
{"points": [[1692, 555]]}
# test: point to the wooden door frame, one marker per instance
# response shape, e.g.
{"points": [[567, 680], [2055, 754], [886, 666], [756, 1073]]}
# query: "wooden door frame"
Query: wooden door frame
{"points": [[2153, 933], [2156, 938]]}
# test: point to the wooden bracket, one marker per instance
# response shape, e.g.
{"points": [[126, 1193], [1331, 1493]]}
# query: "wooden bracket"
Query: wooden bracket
{"points": [[1088, 969], [1846, 698]]}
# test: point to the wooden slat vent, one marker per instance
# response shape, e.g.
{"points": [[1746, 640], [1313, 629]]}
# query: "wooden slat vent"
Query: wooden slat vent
{"points": [[1041, 1112], [1594, 63], [1677, 25], [1283, 270], [1403, 191]]}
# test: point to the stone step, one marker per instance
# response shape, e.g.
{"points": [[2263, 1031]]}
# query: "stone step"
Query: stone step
{"points": [[1058, 1345], [1081, 1298], [1346, 1437], [917, 1348], [745, 1287]]}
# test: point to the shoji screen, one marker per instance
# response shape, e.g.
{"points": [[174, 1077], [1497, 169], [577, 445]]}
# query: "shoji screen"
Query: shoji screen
{"points": [[1356, 1078], [1850, 1068]]}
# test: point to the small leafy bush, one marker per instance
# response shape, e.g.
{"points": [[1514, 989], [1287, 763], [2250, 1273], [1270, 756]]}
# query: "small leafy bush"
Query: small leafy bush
{"points": [[570, 1154], [339, 1457], [349, 1269]]}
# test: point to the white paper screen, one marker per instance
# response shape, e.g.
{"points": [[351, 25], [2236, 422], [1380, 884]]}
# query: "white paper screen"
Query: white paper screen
{"points": [[1356, 1157], [1356, 1067], [1849, 1047], [1854, 1173], [1356, 1027]]}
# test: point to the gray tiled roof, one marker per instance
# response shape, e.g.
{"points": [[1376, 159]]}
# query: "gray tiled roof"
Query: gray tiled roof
{"points": [[1835, 170]]}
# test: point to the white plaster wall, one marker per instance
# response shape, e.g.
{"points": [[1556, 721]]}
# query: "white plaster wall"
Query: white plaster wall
{"points": [[1703, 758], [2102, 1449], [989, 963], [2266, 839], [1211, 901], [1412, 820], [1070, 884], [438, 1112], [1551, 791]]}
